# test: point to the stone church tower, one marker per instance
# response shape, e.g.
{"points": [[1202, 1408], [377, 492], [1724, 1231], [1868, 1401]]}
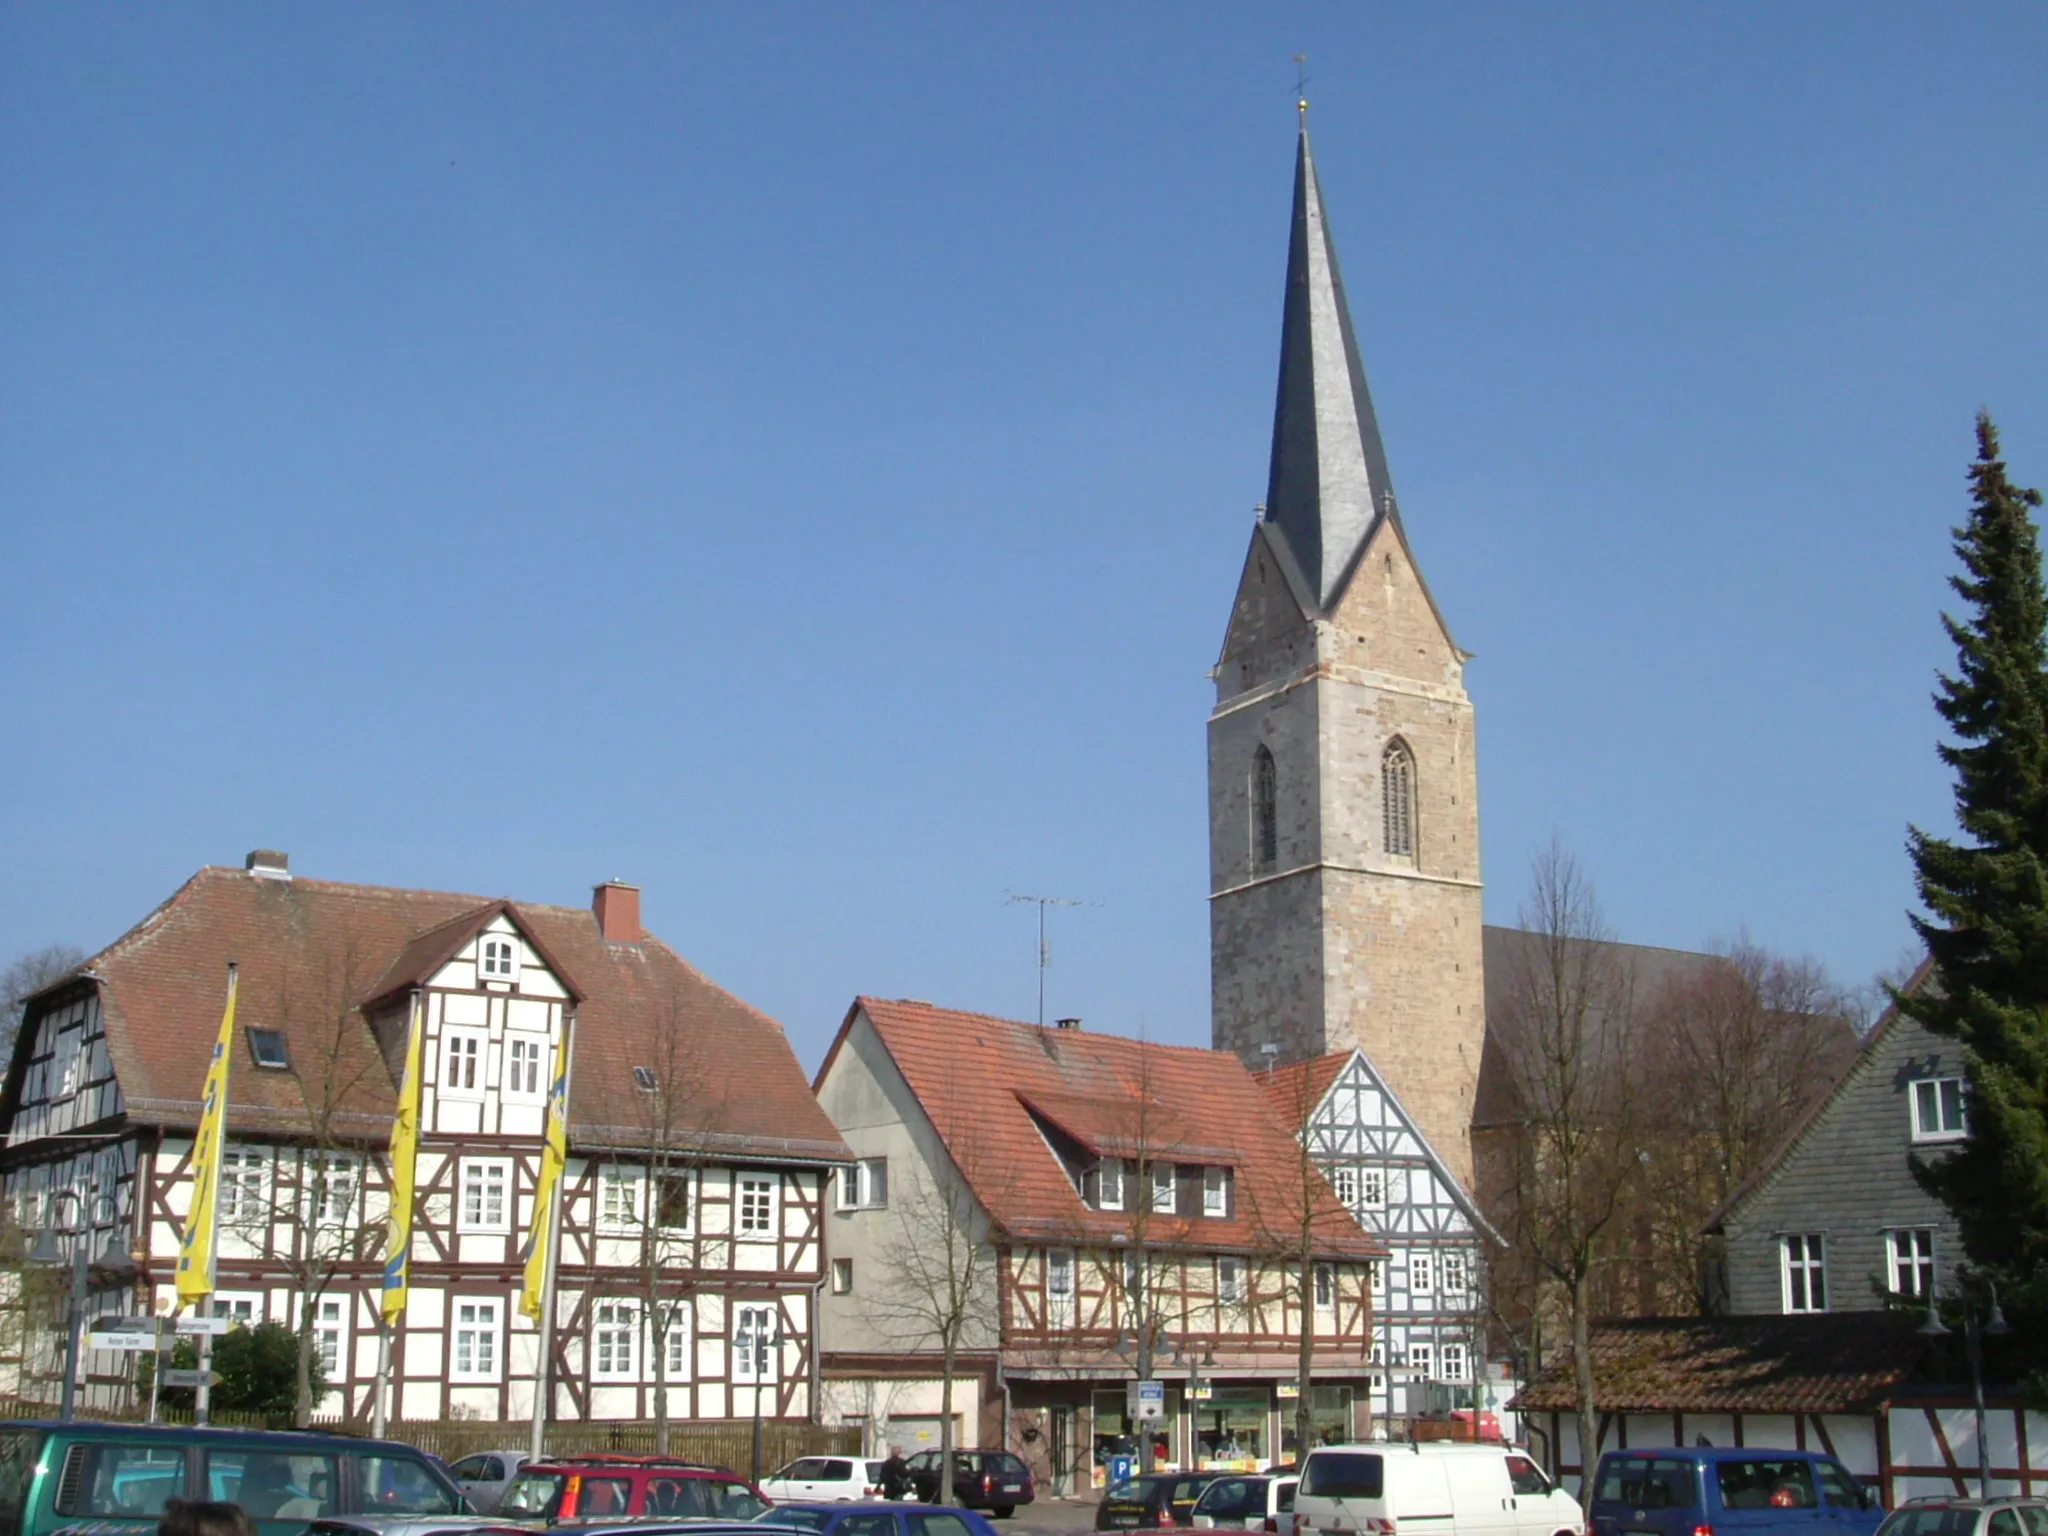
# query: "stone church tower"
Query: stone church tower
{"points": [[1343, 784]]}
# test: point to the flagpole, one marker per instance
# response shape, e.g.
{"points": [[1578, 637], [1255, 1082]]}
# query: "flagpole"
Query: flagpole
{"points": [[405, 1147], [198, 1252], [543, 1383]]}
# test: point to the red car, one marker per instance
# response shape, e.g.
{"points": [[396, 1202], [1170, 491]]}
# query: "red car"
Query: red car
{"points": [[587, 1488]]}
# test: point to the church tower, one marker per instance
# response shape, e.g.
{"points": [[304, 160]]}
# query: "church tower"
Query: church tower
{"points": [[1344, 902]]}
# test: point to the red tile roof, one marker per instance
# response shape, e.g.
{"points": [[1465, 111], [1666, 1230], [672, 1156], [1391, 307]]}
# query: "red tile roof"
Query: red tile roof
{"points": [[980, 1078], [1297, 1089], [311, 951], [1838, 1362]]}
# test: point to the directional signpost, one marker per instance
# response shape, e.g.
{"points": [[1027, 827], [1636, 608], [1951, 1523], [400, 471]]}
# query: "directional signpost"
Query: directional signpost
{"points": [[1148, 1400], [191, 1378]]}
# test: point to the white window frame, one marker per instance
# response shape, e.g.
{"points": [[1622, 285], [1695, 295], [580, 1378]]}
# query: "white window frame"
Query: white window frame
{"points": [[69, 1048], [1059, 1299], [244, 1307], [1215, 1191], [482, 1168], [747, 1318], [691, 1191], [500, 966], [679, 1338], [1421, 1360], [1421, 1272], [741, 1192], [1344, 1184], [330, 1336], [1376, 1279], [615, 1333], [1372, 1189], [1803, 1259], [1454, 1274], [1909, 1256], [842, 1277], [1452, 1362], [344, 1175], [478, 1042], [243, 1195], [483, 1331], [621, 1199], [519, 1043], [864, 1185], [1165, 1184], [1926, 1092], [1229, 1281], [1109, 1184]]}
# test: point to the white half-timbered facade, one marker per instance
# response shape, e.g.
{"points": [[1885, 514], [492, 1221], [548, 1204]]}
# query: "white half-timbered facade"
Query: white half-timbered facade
{"points": [[1428, 1294], [692, 1241]]}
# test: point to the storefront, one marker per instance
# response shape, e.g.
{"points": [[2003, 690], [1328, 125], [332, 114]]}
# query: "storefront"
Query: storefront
{"points": [[1117, 1435], [1332, 1407], [1231, 1424]]}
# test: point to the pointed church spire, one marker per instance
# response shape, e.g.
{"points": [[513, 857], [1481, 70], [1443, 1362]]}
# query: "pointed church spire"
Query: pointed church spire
{"points": [[1329, 477]]}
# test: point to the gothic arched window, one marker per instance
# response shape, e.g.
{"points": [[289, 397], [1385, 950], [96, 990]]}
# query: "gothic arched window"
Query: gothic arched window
{"points": [[1265, 813], [1397, 799]]}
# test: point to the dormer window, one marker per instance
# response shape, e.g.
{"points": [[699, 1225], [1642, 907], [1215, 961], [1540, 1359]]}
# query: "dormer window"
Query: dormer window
{"points": [[268, 1048], [1163, 1188], [1215, 1191], [1109, 1184], [500, 960]]}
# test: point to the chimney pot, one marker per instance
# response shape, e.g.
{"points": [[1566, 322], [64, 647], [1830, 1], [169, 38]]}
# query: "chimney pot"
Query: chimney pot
{"points": [[268, 864], [1068, 1023], [617, 906]]}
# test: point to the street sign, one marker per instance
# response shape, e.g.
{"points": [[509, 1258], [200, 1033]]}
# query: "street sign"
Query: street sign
{"points": [[1122, 1469], [1147, 1400], [122, 1340], [1198, 1391], [191, 1378], [1288, 1388], [212, 1325]]}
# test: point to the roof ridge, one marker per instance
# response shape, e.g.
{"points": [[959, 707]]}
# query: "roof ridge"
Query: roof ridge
{"points": [[865, 1000]]}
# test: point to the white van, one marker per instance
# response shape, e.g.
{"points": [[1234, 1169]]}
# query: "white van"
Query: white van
{"points": [[1434, 1488]]}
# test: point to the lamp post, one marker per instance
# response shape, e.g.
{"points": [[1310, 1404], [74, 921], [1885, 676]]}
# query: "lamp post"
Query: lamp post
{"points": [[767, 1335], [1974, 1334]]}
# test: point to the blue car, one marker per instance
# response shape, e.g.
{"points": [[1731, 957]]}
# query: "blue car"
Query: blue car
{"points": [[1729, 1491], [880, 1520]]}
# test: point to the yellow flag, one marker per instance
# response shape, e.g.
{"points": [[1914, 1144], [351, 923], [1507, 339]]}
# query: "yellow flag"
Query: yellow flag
{"points": [[405, 1152], [554, 1153], [195, 1252]]}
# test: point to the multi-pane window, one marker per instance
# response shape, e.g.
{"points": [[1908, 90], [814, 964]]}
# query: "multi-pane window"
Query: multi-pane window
{"points": [[1911, 1250], [500, 960], [1265, 813], [672, 1202], [329, 1325], [864, 1185], [242, 1185], [1376, 1278], [1109, 1183], [235, 1307], [330, 1188], [1454, 1366], [1326, 1287], [619, 1187], [1163, 1186], [1422, 1273], [486, 1183], [1397, 799], [1215, 1191], [756, 1343], [614, 1340], [1422, 1360], [1344, 1181], [1229, 1281], [1059, 1287], [1372, 1189], [1134, 1279], [522, 1066], [1455, 1274], [1938, 1113], [462, 1055], [675, 1340], [475, 1356], [757, 1206], [1806, 1272]]}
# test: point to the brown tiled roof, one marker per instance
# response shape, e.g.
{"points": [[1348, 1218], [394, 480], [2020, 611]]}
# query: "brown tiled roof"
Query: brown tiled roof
{"points": [[311, 951], [977, 1078], [1839, 1362], [1297, 1089]]}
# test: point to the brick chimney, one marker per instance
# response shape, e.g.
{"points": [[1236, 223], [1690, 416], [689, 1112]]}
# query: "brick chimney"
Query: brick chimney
{"points": [[617, 906]]}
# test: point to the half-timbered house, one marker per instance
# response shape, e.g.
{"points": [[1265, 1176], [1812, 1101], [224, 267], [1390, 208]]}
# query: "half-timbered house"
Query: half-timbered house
{"points": [[699, 1161], [1429, 1308], [1121, 1209]]}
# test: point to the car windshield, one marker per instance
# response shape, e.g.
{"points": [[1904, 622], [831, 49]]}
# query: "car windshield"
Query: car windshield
{"points": [[1925, 1520], [534, 1493], [1136, 1491]]}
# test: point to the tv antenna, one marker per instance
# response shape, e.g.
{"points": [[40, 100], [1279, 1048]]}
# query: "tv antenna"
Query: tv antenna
{"points": [[1044, 949]]}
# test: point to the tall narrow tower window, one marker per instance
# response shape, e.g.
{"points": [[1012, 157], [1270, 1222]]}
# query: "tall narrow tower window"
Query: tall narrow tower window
{"points": [[1265, 813], [1397, 799]]}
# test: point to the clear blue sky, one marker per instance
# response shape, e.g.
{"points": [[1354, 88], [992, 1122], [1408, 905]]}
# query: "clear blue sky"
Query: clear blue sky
{"points": [[798, 458]]}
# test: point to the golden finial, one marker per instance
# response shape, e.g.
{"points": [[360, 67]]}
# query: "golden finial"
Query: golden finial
{"points": [[1301, 86]]}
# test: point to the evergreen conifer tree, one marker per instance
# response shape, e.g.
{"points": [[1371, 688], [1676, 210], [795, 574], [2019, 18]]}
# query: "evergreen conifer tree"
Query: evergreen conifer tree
{"points": [[1986, 895]]}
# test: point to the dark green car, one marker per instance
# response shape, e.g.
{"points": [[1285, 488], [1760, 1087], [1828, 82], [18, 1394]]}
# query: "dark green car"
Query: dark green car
{"points": [[79, 1478]]}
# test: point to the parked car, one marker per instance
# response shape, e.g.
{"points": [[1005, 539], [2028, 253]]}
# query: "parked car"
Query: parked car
{"points": [[992, 1480], [828, 1478], [413, 1525], [1246, 1503], [1967, 1517], [1432, 1486], [1738, 1490], [876, 1520], [116, 1477], [484, 1477], [589, 1489], [1158, 1499]]}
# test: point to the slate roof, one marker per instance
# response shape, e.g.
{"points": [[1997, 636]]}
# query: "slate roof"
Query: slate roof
{"points": [[311, 952], [980, 1078], [1832, 1363]]}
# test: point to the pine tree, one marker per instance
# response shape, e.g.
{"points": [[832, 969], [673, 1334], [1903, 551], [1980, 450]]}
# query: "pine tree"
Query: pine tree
{"points": [[1986, 892]]}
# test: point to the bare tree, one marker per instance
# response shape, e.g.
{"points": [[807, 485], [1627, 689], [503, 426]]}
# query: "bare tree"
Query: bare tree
{"points": [[1570, 1048], [27, 975]]}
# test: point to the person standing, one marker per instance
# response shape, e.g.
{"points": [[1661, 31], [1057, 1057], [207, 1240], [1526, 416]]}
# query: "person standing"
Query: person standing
{"points": [[895, 1474]]}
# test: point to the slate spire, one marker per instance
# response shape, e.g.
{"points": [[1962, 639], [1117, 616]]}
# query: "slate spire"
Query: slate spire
{"points": [[1329, 478]]}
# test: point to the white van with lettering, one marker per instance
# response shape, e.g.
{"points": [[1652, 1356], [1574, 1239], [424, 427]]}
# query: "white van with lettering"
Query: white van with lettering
{"points": [[1437, 1488]]}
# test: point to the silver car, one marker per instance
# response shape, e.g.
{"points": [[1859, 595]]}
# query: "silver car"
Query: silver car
{"points": [[1967, 1517], [485, 1476]]}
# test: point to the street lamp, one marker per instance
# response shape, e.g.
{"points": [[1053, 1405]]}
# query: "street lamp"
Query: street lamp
{"points": [[765, 1336], [113, 1264], [1993, 1326]]}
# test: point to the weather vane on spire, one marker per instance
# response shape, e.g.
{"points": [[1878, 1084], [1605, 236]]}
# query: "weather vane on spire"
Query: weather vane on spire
{"points": [[1301, 85]]}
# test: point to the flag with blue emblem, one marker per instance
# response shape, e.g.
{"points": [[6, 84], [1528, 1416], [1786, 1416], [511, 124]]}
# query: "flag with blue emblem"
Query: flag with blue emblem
{"points": [[202, 1221], [554, 1153], [405, 1153]]}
